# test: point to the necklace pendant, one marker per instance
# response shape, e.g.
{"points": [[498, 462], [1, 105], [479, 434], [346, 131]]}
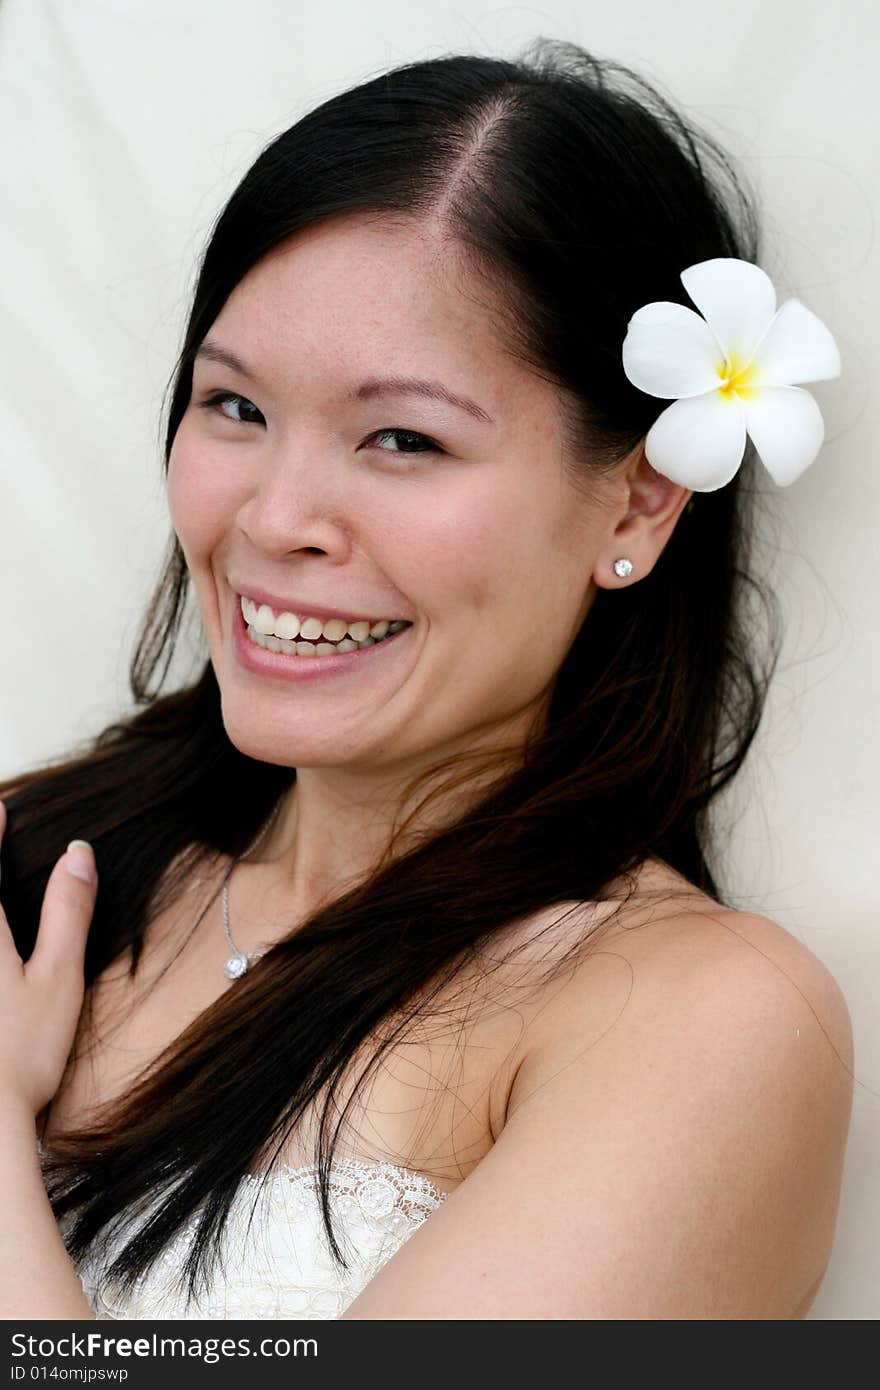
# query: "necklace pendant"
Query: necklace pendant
{"points": [[236, 966]]}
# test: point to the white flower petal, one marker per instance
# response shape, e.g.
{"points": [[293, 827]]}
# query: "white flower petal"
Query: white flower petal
{"points": [[669, 351], [737, 299], [699, 443], [796, 347], [786, 427]]}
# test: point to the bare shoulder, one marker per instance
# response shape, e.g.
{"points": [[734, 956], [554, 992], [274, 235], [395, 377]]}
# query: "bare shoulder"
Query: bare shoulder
{"points": [[668, 951], [747, 1035], [674, 1136], [672, 942]]}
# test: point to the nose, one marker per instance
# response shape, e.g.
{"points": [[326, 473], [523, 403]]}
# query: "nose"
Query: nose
{"points": [[293, 505]]}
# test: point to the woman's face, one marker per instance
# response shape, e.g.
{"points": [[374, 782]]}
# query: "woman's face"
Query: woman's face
{"points": [[310, 487]]}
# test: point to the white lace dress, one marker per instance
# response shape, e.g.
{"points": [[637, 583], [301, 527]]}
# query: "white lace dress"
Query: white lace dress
{"points": [[283, 1266]]}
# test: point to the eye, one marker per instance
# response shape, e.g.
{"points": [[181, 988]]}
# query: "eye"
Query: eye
{"points": [[430, 446], [221, 398], [216, 401]]}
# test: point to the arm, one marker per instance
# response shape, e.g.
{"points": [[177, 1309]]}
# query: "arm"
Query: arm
{"points": [[673, 1149], [40, 1003], [37, 1276]]}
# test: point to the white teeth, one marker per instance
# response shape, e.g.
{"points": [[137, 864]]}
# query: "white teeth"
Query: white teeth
{"points": [[287, 626], [310, 629], [306, 648], [264, 619]]}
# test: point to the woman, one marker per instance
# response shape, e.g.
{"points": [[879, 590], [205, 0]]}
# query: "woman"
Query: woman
{"points": [[477, 668]]}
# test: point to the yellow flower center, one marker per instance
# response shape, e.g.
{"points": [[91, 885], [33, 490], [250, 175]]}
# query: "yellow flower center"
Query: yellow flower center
{"points": [[736, 377]]}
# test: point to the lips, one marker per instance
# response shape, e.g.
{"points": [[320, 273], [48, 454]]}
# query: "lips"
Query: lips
{"points": [[260, 661], [304, 609]]}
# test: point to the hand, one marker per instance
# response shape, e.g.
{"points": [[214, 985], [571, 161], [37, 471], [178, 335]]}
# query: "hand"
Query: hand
{"points": [[40, 1002]]}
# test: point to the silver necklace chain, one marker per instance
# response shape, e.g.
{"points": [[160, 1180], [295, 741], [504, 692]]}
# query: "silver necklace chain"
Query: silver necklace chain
{"points": [[238, 963]]}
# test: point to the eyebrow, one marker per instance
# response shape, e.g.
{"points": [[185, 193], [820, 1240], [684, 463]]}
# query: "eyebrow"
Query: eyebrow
{"points": [[368, 390]]}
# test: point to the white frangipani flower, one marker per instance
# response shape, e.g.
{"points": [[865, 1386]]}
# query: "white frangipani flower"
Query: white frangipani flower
{"points": [[732, 373]]}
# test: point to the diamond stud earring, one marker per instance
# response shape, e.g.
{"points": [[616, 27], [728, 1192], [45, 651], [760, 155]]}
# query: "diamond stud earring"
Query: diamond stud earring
{"points": [[622, 568]]}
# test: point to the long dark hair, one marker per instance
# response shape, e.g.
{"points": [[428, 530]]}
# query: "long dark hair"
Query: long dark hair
{"points": [[579, 193]]}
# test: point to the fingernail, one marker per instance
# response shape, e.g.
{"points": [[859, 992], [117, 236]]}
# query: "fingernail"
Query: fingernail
{"points": [[80, 861]]}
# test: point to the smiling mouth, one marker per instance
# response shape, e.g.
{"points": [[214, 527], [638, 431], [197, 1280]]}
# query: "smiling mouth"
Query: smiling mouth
{"points": [[289, 634], [305, 649]]}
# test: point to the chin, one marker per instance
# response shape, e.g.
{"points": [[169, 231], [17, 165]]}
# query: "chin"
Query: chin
{"points": [[264, 747], [283, 748]]}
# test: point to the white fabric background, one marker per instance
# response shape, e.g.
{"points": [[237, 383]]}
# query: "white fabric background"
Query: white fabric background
{"points": [[124, 126]]}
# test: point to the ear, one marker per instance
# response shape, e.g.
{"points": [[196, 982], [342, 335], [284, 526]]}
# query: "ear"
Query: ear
{"points": [[641, 523]]}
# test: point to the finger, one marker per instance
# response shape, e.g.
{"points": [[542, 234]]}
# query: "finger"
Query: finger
{"points": [[68, 905]]}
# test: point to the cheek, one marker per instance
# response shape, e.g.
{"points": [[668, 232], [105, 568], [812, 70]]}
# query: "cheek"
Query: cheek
{"points": [[449, 549], [498, 546], [508, 562], [200, 495]]}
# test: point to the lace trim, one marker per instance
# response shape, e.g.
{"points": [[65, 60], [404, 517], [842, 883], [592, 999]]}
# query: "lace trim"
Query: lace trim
{"points": [[348, 1175], [378, 1184], [286, 1270]]}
